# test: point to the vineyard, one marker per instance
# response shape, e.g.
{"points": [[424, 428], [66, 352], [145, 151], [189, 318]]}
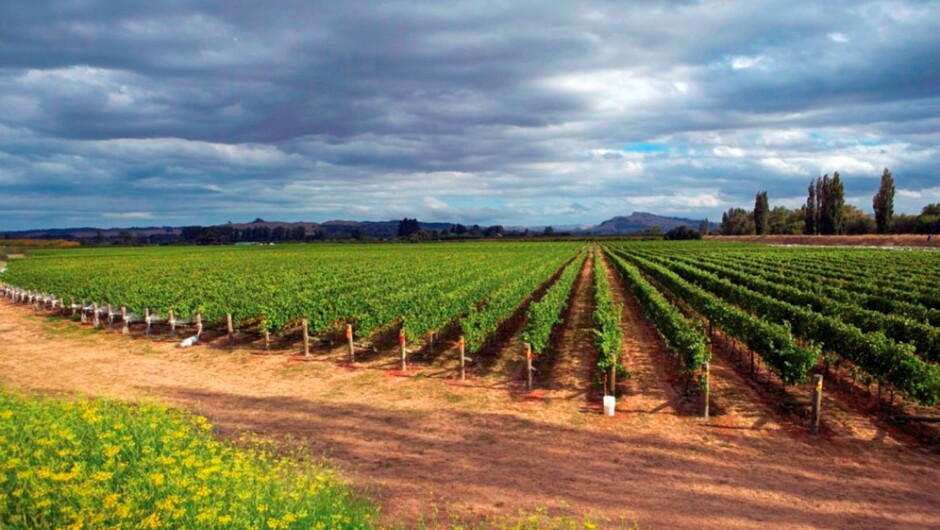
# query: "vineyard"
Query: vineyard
{"points": [[419, 288], [551, 324], [868, 309], [875, 311]]}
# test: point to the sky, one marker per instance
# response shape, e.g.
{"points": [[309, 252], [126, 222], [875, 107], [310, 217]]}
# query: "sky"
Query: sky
{"points": [[518, 113]]}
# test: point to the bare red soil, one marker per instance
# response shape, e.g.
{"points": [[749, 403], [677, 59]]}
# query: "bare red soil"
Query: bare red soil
{"points": [[480, 448]]}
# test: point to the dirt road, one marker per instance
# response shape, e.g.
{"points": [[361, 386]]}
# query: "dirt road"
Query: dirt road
{"points": [[478, 449]]}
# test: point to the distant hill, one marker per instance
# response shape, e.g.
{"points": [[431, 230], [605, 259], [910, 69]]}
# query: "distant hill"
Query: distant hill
{"points": [[622, 225], [641, 221]]}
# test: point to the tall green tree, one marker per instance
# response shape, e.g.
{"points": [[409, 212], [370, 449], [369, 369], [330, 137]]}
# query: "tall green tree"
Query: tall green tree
{"points": [[883, 202], [823, 215], [809, 226], [761, 209], [836, 198], [737, 222]]}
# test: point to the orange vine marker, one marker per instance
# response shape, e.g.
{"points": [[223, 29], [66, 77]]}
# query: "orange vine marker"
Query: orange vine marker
{"points": [[706, 380], [401, 342], [528, 366], [349, 340], [461, 345], [817, 401]]}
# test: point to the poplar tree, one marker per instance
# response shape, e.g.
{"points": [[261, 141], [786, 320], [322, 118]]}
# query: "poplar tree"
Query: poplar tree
{"points": [[809, 227], [823, 215], [761, 209], [836, 198], [883, 202]]}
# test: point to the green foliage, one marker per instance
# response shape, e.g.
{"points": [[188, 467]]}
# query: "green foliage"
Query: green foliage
{"points": [[482, 320], [683, 336], [370, 286], [546, 314], [761, 211], [608, 335], [830, 200], [737, 222], [772, 342], [883, 202], [103, 464], [874, 352], [924, 337]]}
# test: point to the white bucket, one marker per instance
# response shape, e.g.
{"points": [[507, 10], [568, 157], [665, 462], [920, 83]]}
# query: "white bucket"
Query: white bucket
{"points": [[610, 403]]}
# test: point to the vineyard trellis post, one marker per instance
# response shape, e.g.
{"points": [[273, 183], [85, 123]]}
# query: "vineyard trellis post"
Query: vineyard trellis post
{"points": [[124, 329], [110, 316], [198, 324], [147, 319], [349, 341], [613, 377], [230, 329], [84, 318], [404, 351], [528, 366], [461, 345], [817, 401], [305, 327], [172, 323], [95, 321], [706, 380]]}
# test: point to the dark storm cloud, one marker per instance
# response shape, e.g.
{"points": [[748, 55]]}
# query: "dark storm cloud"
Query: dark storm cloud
{"points": [[521, 112]]}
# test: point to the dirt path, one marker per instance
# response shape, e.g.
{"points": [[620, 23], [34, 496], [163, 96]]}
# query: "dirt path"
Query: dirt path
{"points": [[644, 354], [415, 441], [571, 374]]}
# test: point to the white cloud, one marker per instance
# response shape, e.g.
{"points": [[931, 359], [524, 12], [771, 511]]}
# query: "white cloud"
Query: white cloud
{"points": [[128, 215], [729, 152], [838, 37], [743, 62]]}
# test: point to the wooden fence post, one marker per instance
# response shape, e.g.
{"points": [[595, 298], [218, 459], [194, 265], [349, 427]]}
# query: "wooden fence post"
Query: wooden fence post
{"points": [[267, 340], [706, 375], [304, 324], [461, 345], [401, 342], [528, 366], [230, 329], [349, 341], [124, 329], [613, 379], [817, 401]]}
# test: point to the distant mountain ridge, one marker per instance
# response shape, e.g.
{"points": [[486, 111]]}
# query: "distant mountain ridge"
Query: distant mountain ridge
{"points": [[620, 225], [642, 221]]}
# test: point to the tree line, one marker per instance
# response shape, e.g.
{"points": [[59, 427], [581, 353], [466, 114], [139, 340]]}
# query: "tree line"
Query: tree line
{"points": [[826, 213]]}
